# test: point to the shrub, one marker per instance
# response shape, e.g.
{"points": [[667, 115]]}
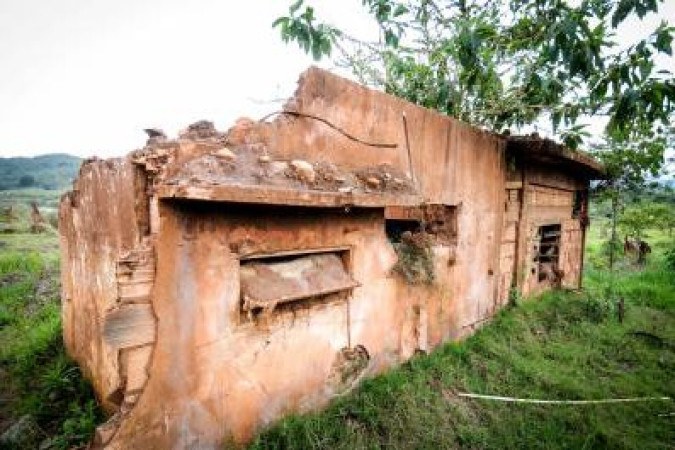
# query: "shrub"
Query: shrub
{"points": [[26, 181], [670, 258], [599, 309]]}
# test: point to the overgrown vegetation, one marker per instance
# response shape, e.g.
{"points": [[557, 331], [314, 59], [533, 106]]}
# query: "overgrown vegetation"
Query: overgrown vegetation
{"points": [[509, 63], [564, 345], [415, 258], [37, 380], [47, 200]]}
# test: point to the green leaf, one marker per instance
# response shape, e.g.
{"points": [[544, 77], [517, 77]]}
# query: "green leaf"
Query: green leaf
{"points": [[400, 10], [664, 39], [622, 11], [295, 6], [280, 21]]}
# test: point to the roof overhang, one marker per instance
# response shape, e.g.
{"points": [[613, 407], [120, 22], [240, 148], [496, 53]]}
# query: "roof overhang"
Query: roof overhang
{"points": [[545, 151]]}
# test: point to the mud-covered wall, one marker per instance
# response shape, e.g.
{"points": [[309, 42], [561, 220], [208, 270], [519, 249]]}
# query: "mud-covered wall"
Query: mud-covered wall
{"points": [[216, 372], [441, 148], [103, 218], [451, 162]]}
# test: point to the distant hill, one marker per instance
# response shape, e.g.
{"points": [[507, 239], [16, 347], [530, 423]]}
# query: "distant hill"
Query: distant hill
{"points": [[54, 171]]}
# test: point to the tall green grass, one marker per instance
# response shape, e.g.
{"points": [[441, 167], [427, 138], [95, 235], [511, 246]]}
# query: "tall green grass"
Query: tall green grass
{"points": [[36, 377]]}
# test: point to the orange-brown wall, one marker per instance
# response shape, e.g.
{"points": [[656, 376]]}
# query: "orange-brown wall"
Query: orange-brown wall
{"points": [[101, 219], [453, 164]]}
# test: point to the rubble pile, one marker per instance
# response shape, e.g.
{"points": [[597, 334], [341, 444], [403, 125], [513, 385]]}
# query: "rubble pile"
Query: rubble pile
{"points": [[204, 156]]}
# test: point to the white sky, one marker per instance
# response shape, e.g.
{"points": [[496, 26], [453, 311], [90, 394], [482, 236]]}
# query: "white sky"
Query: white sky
{"points": [[86, 76]]}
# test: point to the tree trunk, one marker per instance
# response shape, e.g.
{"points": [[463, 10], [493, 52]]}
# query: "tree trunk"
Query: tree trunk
{"points": [[612, 242]]}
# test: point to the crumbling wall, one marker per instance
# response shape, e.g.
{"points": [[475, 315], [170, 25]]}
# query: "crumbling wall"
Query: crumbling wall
{"points": [[437, 153], [218, 372], [446, 161], [99, 224]]}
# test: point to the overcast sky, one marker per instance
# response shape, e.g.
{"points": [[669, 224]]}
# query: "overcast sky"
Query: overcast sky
{"points": [[86, 76]]}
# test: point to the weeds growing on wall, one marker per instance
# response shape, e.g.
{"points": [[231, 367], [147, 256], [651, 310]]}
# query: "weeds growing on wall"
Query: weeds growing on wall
{"points": [[415, 258], [515, 297]]}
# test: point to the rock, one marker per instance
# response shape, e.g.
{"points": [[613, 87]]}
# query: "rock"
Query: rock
{"points": [[24, 433], [276, 167], [201, 129], [155, 137], [304, 170], [264, 159], [48, 444], [155, 133], [258, 147], [239, 134], [226, 154], [105, 432], [373, 182]]}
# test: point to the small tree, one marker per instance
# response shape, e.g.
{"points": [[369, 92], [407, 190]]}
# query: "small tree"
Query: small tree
{"points": [[26, 181], [507, 63], [635, 219], [628, 164], [664, 216]]}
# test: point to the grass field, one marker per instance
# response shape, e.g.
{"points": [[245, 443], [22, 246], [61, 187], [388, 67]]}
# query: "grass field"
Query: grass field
{"points": [[565, 345], [36, 378], [48, 200]]}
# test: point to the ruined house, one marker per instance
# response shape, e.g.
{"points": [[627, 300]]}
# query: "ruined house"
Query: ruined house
{"points": [[216, 282]]}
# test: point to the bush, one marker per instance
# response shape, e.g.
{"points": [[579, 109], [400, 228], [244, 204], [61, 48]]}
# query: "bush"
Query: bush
{"points": [[26, 181], [599, 309], [670, 258]]}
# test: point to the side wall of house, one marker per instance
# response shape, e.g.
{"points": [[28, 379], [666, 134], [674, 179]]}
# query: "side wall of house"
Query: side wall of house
{"points": [[102, 220], [217, 372], [452, 164]]}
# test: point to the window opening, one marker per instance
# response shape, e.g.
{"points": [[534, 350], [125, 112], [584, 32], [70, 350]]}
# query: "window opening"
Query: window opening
{"points": [[578, 204], [395, 228], [414, 231], [270, 281], [548, 252], [438, 221]]}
